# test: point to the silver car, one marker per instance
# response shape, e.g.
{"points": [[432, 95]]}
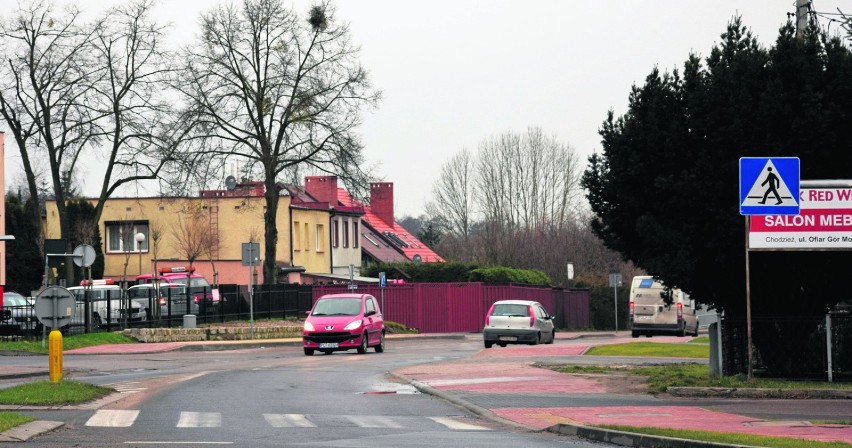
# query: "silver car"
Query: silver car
{"points": [[518, 322], [18, 315]]}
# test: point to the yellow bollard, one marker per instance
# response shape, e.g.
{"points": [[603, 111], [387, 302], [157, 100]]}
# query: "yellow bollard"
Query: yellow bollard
{"points": [[55, 355]]}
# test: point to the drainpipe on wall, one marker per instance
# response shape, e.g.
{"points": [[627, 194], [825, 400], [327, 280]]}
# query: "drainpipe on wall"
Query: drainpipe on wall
{"points": [[290, 211]]}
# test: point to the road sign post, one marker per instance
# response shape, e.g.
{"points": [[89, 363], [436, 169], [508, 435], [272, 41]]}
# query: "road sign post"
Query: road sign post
{"points": [[383, 281], [768, 186], [251, 258]]}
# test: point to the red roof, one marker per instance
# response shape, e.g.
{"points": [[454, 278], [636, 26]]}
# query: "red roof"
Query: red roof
{"points": [[411, 245]]}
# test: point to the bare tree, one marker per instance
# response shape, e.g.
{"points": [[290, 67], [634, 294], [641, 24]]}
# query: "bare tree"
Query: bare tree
{"points": [[73, 92], [45, 84], [453, 195], [157, 233], [191, 233], [277, 91]]}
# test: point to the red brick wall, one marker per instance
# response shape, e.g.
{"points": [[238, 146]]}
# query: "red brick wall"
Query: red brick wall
{"points": [[322, 188], [381, 201]]}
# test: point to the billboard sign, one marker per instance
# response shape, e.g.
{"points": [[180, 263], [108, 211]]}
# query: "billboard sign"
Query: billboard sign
{"points": [[824, 222]]}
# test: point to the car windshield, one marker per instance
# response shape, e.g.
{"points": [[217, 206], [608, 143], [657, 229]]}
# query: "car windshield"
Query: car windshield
{"points": [[339, 306], [14, 300], [506, 309], [200, 282]]}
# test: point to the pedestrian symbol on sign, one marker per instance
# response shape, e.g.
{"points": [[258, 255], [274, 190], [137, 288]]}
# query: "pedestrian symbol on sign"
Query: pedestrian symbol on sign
{"points": [[769, 186]]}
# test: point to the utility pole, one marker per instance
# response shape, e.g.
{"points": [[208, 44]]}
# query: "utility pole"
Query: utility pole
{"points": [[802, 7]]}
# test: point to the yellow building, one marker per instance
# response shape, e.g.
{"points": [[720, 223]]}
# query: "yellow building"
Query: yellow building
{"points": [[211, 228]]}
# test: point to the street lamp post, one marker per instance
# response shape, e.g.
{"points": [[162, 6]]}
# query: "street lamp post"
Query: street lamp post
{"points": [[140, 238]]}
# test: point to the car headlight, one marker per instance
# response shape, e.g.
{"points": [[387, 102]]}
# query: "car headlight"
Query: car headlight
{"points": [[354, 325], [309, 326]]}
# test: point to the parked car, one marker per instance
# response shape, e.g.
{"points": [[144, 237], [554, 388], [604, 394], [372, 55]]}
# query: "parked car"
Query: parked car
{"points": [[164, 299], [342, 322], [518, 322], [18, 315], [108, 304], [199, 287]]}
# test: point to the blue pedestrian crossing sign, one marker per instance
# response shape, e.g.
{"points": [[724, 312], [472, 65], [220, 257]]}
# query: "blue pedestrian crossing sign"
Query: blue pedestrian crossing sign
{"points": [[769, 186]]}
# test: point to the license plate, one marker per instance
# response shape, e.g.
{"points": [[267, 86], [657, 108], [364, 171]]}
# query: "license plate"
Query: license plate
{"points": [[508, 338], [328, 344]]}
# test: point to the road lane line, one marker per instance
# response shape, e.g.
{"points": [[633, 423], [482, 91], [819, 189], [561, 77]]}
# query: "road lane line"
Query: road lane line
{"points": [[113, 418]]}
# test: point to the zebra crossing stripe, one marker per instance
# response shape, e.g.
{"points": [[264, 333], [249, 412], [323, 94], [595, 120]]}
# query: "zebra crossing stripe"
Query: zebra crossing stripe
{"points": [[200, 420], [373, 421], [113, 418], [452, 423], [288, 421]]}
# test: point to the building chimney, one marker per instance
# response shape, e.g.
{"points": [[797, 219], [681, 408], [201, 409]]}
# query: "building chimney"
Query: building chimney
{"points": [[322, 188], [381, 201]]}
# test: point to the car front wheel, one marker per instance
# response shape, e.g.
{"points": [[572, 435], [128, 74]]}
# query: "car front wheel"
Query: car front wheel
{"points": [[381, 347], [488, 344], [309, 352], [363, 347]]}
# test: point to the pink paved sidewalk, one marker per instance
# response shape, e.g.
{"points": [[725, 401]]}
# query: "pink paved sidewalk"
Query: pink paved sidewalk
{"points": [[501, 371], [674, 417]]}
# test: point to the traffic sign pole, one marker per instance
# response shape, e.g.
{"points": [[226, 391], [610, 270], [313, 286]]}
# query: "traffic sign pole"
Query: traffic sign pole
{"points": [[748, 304]]}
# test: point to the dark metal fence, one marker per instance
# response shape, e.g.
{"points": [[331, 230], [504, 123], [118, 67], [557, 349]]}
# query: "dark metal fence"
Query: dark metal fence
{"points": [[790, 348], [429, 307]]}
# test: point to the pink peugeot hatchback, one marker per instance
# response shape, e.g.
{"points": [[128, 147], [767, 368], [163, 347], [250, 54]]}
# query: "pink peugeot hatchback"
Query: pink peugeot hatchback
{"points": [[342, 322]]}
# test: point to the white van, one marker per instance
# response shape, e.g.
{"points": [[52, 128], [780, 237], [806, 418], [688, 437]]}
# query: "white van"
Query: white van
{"points": [[650, 315], [106, 304]]}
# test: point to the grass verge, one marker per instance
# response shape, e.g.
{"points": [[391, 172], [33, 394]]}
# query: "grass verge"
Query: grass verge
{"points": [[695, 375], [652, 349], [396, 328], [68, 342], [11, 419], [728, 438], [700, 340], [49, 393]]}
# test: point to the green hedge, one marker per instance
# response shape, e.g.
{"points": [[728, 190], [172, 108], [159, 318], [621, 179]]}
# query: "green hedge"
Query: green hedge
{"points": [[450, 272]]}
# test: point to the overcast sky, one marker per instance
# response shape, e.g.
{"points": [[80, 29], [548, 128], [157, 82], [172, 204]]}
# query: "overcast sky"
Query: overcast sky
{"points": [[454, 72]]}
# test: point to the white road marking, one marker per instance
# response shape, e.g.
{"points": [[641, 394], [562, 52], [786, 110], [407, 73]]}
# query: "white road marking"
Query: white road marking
{"points": [[373, 421], [154, 442], [200, 420], [452, 423], [288, 421], [113, 418], [127, 387]]}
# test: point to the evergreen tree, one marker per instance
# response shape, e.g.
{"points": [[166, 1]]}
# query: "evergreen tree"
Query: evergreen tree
{"points": [[664, 190], [24, 262]]}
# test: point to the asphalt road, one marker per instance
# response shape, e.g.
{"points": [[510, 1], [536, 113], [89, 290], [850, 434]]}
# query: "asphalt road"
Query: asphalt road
{"points": [[277, 397]]}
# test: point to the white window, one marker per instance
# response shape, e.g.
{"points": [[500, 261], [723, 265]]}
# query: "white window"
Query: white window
{"points": [[121, 236], [345, 233], [320, 237]]}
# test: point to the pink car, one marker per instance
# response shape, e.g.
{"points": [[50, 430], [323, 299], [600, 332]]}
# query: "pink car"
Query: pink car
{"points": [[342, 322]]}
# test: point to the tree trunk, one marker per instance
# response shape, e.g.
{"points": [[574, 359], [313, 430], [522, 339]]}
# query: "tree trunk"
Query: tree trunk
{"points": [[270, 236]]}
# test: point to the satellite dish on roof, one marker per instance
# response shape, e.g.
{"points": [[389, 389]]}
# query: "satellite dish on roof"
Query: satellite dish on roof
{"points": [[231, 183], [417, 258]]}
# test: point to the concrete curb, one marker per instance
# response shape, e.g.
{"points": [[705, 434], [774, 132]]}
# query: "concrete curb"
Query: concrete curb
{"points": [[633, 439], [29, 430], [791, 394]]}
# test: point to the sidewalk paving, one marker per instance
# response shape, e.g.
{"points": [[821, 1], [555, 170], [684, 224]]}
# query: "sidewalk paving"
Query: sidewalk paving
{"points": [[487, 381], [504, 385]]}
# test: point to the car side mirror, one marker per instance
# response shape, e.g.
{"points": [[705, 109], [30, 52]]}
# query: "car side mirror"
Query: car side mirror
{"points": [[307, 313], [369, 313]]}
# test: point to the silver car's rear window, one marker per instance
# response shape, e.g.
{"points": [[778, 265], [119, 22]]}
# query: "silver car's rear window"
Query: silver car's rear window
{"points": [[511, 310]]}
